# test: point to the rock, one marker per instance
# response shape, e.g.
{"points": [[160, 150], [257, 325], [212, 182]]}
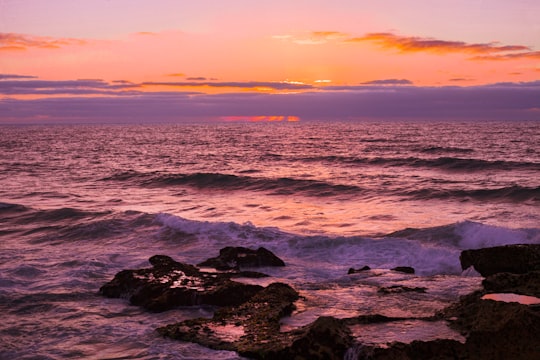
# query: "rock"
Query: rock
{"points": [[496, 329], [325, 338], [354, 271], [396, 289], [440, 349], [517, 259], [404, 269], [253, 330], [169, 284], [523, 284], [493, 330], [236, 257]]}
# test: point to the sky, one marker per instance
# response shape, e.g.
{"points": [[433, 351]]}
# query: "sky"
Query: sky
{"points": [[145, 61]]}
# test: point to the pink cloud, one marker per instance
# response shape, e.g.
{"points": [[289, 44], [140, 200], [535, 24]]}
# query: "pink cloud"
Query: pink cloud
{"points": [[418, 44], [13, 41]]}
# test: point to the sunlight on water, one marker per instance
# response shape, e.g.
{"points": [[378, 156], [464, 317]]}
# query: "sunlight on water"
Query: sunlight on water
{"points": [[404, 331], [509, 298]]}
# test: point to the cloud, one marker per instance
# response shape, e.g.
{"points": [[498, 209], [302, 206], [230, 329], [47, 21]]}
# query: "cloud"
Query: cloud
{"points": [[313, 38], [460, 79], [237, 84], [407, 44], [198, 78], [502, 101], [176, 75], [516, 56], [16, 76], [66, 87], [15, 42], [389, 82], [15, 85]]}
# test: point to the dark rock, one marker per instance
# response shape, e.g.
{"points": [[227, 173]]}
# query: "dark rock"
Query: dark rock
{"points": [[441, 349], [517, 259], [496, 329], [523, 284], [257, 325], [493, 330], [169, 284], [404, 269], [396, 289], [354, 271], [236, 257], [325, 338]]}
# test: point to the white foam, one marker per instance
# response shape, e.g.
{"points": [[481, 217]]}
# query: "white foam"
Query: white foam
{"points": [[475, 235], [335, 255]]}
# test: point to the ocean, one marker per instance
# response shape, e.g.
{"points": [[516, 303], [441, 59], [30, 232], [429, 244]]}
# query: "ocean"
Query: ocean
{"points": [[79, 203]]}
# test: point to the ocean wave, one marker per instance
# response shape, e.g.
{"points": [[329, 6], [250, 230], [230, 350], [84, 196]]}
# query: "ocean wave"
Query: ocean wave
{"points": [[445, 163], [218, 181], [445, 150], [6, 208], [470, 235], [514, 193], [430, 251], [57, 215]]}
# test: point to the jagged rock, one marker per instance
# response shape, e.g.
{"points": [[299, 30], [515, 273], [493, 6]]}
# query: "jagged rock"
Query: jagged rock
{"points": [[354, 271], [493, 330], [517, 259], [169, 284], [404, 269], [325, 338], [524, 284], [235, 257], [253, 330], [441, 349], [496, 329]]}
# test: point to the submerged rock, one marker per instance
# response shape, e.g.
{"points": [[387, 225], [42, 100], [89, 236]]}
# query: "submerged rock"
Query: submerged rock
{"points": [[354, 271], [169, 284], [517, 259], [404, 269], [235, 257], [396, 289]]}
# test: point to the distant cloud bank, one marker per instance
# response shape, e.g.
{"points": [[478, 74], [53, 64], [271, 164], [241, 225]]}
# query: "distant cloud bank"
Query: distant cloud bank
{"points": [[25, 99]]}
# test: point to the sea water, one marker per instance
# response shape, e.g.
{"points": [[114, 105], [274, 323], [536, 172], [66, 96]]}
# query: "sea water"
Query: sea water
{"points": [[80, 203]]}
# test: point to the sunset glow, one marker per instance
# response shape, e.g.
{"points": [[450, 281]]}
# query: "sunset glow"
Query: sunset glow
{"points": [[197, 50]]}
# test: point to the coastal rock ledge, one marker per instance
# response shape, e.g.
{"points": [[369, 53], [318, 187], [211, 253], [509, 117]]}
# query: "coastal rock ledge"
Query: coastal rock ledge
{"points": [[515, 259], [170, 284], [248, 318]]}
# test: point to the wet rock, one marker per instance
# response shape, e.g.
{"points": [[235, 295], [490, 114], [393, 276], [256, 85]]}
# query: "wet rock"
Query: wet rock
{"points": [[523, 284], [354, 271], [441, 349], [517, 259], [396, 289], [253, 330], [404, 269], [169, 284], [496, 329], [493, 330], [236, 257], [325, 338]]}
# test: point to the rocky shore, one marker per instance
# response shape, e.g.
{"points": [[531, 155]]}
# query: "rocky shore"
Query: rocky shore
{"points": [[248, 317]]}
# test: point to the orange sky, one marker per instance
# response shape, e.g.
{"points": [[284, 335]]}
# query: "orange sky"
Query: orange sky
{"points": [[214, 47]]}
